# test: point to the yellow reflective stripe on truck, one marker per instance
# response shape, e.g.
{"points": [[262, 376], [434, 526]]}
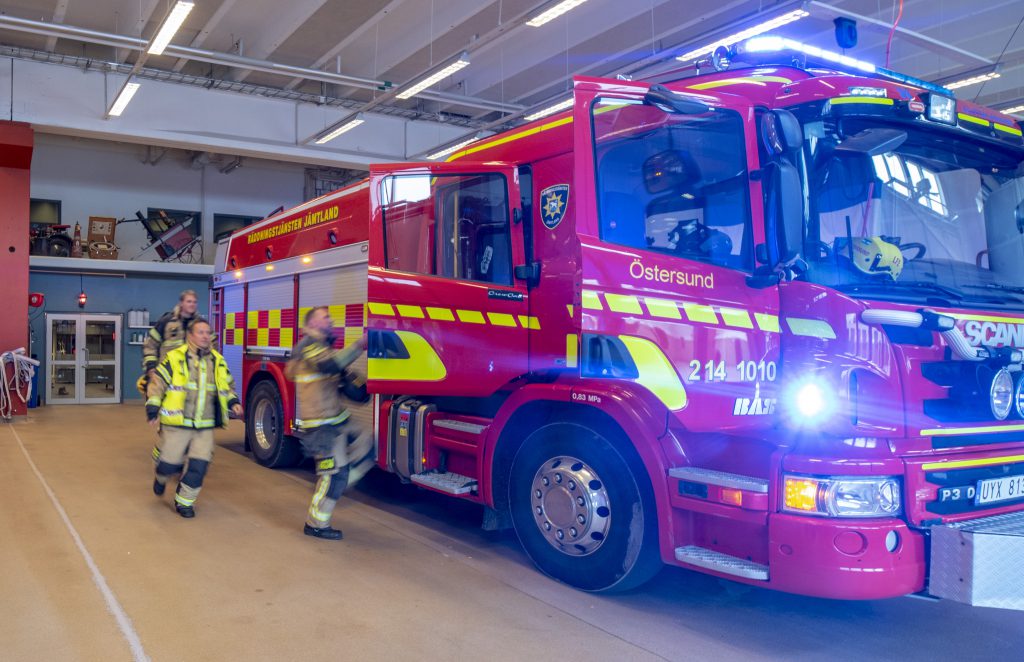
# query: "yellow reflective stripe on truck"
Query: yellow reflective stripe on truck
{"points": [[422, 365]]}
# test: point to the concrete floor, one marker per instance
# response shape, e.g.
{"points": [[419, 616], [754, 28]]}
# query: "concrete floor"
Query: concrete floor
{"points": [[415, 578]]}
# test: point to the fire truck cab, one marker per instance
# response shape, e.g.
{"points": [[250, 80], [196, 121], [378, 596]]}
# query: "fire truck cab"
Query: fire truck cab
{"points": [[763, 323]]}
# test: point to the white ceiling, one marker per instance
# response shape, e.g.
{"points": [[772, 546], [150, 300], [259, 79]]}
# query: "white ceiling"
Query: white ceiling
{"points": [[513, 66]]}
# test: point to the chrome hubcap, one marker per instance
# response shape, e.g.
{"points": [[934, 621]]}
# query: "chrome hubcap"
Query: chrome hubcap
{"points": [[570, 505], [265, 420]]}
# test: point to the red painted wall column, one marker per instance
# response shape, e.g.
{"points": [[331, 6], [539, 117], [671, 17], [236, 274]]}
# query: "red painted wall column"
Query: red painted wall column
{"points": [[16, 139]]}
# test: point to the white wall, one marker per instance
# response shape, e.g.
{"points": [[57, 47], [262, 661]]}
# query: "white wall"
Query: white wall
{"points": [[99, 178]]}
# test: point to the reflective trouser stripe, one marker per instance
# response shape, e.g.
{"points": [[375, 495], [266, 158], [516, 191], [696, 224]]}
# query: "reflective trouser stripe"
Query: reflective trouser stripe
{"points": [[317, 422], [317, 517]]}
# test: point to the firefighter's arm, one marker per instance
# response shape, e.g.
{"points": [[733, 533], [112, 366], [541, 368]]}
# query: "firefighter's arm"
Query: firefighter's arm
{"points": [[151, 346], [156, 388], [234, 403], [344, 357]]}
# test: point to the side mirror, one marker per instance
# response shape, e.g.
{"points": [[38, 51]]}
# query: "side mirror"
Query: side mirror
{"points": [[781, 132], [764, 277]]}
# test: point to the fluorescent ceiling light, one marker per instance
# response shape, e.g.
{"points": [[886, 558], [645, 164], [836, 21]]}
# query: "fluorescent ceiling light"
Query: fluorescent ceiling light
{"points": [[454, 148], [1015, 110], [170, 27], [753, 31], [550, 110], [554, 12], [774, 44], [123, 99], [345, 126], [971, 80], [433, 78]]}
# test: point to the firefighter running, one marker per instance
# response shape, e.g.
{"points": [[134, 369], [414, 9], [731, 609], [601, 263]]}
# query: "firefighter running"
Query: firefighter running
{"points": [[168, 333], [190, 394], [340, 447]]}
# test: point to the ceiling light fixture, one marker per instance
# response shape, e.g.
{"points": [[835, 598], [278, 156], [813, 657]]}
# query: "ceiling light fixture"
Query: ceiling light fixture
{"points": [[969, 77], [124, 97], [345, 125], [753, 31], [170, 27], [1013, 110], [550, 110], [461, 63], [774, 44], [972, 80], [453, 148], [554, 12]]}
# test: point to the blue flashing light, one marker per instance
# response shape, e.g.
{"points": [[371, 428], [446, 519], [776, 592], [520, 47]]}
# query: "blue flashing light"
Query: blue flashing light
{"points": [[916, 82], [775, 44]]}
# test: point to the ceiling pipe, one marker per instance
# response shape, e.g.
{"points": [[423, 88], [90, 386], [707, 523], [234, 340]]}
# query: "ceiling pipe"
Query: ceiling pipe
{"points": [[63, 31]]}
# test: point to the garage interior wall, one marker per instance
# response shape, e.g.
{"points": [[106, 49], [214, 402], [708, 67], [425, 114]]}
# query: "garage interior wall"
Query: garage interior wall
{"points": [[110, 293], [100, 178]]}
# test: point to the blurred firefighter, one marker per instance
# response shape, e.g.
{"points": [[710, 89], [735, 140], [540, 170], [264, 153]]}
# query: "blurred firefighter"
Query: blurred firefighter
{"points": [[168, 333], [191, 393], [340, 447]]}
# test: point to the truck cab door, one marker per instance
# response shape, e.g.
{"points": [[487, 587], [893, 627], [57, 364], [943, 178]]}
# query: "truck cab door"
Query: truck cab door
{"points": [[669, 217], [446, 312]]}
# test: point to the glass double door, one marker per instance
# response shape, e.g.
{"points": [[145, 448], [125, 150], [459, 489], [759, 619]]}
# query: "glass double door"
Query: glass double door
{"points": [[83, 359]]}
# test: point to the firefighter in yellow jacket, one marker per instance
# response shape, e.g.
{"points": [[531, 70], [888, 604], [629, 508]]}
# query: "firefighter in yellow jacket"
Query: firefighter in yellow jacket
{"points": [[341, 449], [190, 394], [168, 333]]}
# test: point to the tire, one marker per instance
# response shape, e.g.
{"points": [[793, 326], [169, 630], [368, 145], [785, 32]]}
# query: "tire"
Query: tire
{"points": [[264, 429], [615, 546]]}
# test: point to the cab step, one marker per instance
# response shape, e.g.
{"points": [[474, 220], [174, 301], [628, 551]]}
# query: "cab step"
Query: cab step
{"points": [[448, 482], [723, 563], [719, 478]]}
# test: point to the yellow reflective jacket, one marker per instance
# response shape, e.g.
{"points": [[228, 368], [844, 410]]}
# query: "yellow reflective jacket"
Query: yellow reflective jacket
{"points": [[316, 368], [168, 333], [191, 390]]}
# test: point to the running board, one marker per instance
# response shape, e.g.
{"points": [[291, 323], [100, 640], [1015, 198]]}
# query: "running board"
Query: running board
{"points": [[719, 478], [449, 483], [723, 563]]}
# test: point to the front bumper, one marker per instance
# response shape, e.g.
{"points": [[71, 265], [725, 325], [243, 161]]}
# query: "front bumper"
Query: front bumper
{"points": [[978, 562], [844, 559]]}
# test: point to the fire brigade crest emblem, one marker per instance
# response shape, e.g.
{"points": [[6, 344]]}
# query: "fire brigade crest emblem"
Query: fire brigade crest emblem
{"points": [[553, 203]]}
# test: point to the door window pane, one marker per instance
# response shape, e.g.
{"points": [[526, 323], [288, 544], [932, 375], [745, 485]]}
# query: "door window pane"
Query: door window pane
{"points": [[99, 381], [63, 339], [673, 183], [100, 341], [62, 382], [455, 226]]}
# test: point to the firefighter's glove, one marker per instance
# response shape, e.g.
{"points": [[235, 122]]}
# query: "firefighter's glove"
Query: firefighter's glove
{"points": [[142, 384]]}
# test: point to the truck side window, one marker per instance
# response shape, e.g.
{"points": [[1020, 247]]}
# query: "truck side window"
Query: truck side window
{"points": [[674, 184], [454, 226]]}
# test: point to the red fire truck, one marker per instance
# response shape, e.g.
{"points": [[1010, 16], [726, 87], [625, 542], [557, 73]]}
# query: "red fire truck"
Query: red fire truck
{"points": [[761, 323]]}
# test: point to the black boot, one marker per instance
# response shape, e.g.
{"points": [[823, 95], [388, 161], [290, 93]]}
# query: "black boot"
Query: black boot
{"points": [[158, 487], [188, 512], [326, 532]]}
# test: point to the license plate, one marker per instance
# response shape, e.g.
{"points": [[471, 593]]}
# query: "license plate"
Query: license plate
{"points": [[994, 490]]}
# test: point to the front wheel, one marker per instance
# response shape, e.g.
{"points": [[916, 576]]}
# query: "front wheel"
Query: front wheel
{"points": [[582, 514], [264, 427]]}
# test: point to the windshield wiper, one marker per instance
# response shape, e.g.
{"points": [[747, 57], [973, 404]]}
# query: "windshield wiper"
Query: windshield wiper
{"points": [[996, 286], [918, 285]]}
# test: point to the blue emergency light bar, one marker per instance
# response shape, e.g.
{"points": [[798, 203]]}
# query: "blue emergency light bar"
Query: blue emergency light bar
{"points": [[773, 44]]}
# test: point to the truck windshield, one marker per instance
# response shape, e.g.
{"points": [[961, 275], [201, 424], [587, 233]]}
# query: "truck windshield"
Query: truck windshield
{"points": [[937, 219]]}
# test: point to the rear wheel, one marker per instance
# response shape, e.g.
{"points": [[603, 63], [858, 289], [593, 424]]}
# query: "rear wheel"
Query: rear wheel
{"points": [[582, 514], [264, 428]]}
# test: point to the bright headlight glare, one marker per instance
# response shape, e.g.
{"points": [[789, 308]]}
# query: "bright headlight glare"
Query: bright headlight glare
{"points": [[809, 400], [1001, 394], [842, 496]]}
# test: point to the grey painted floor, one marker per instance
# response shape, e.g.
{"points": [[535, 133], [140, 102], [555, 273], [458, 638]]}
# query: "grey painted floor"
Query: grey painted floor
{"points": [[415, 577]]}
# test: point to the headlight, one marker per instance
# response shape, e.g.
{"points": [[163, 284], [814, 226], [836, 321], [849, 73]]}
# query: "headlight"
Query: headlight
{"points": [[942, 109], [1018, 395], [841, 496], [1000, 394]]}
